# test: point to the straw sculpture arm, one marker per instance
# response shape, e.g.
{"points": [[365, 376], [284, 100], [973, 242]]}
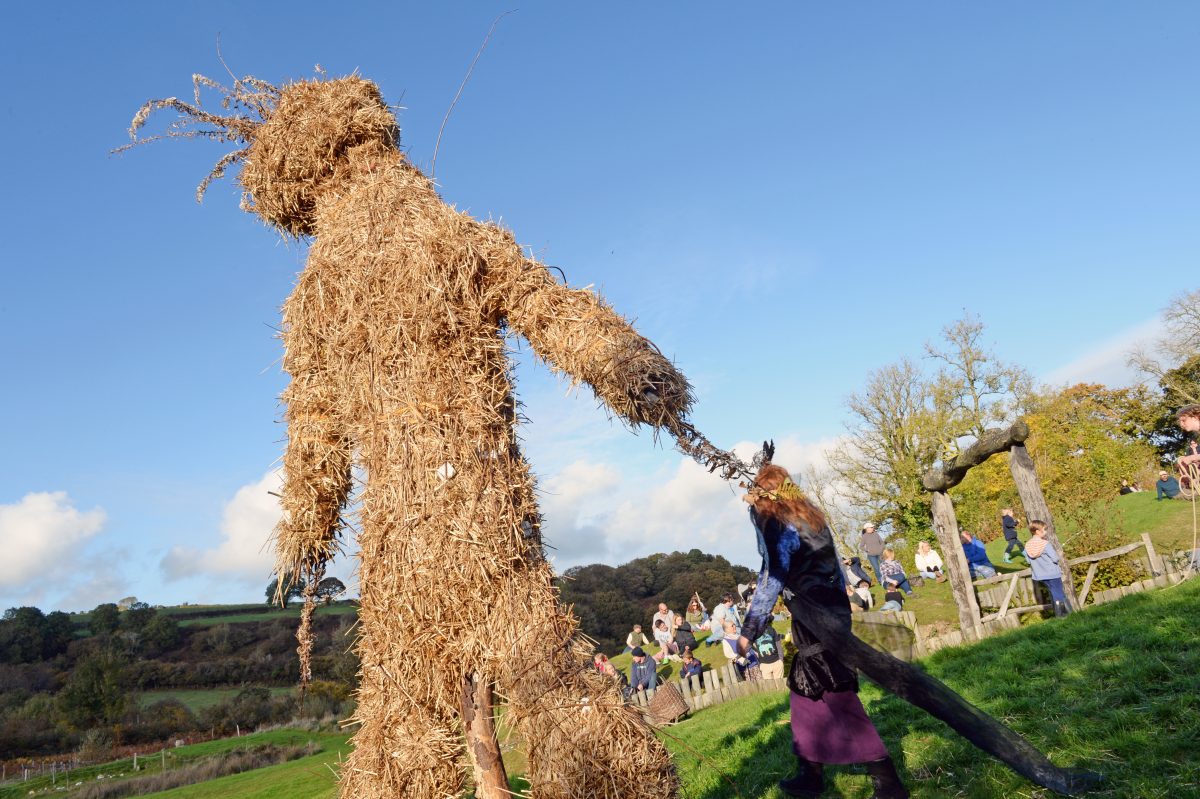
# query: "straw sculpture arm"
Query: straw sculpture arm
{"points": [[316, 481], [576, 331]]}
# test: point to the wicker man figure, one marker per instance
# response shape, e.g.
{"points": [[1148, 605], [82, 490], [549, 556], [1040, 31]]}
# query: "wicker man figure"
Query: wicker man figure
{"points": [[395, 340]]}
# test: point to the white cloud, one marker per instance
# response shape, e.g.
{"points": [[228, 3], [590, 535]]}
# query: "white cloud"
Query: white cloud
{"points": [[596, 513], [243, 553], [244, 558], [1106, 362], [43, 537]]}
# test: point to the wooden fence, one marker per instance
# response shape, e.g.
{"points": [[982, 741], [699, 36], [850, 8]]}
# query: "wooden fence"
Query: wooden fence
{"points": [[717, 686]]}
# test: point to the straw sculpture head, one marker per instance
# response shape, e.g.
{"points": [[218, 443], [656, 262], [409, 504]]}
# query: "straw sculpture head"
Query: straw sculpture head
{"points": [[396, 340]]}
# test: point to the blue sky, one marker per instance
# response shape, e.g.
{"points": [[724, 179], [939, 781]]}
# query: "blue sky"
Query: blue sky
{"points": [[784, 197]]}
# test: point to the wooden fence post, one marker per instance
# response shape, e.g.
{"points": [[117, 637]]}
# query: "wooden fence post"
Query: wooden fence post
{"points": [[1156, 562], [945, 525]]}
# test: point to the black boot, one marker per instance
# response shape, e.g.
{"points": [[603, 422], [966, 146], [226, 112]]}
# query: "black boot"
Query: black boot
{"points": [[1061, 609], [808, 782], [887, 781]]}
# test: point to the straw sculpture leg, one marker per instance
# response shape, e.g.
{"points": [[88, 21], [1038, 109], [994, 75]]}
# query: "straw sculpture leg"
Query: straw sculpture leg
{"points": [[396, 337], [932, 696]]}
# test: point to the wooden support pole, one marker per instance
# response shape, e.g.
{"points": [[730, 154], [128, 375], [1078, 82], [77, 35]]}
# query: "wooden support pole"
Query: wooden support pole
{"points": [[1087, 583], [945, 525], [1012, 587], [491, 781], [1034, 501], [1156, 561]]}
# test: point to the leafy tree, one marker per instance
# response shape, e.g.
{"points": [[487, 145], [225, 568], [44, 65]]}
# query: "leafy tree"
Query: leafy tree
{"points": [[137, 617], [329, 589], [294, 589], [160, 633], [94, 693], [59, 632], [610, 600], [22, 633], [104, 619]]}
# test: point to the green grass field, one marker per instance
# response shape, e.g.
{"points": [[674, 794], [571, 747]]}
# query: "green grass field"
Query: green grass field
{"points": [[202, 699], [1115, 689], [245, 613], [334, 745]]}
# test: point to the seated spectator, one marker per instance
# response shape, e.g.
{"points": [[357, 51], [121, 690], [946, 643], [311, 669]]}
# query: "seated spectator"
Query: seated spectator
{"points": [[769, 649], [696, 615], [929, 563], [635, 639], [722, 613], [1137, 487], [893, 601], [691, 667], [684, 638], [1167, 487], [643, 671], [977, 559], [730, 645], [893, 573], [855, 571], [664, 615], [667, 649], [605, 666], [1125, 488], [860, 597]]}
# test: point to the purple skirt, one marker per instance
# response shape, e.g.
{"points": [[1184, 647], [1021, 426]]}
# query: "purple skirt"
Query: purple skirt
{"points": [[835, 729]]}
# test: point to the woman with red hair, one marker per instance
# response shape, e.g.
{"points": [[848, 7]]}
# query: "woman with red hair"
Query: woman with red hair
{"points": [[829, 724]]}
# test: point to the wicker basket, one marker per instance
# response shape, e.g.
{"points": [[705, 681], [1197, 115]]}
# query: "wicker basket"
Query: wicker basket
{"points": [[667, 705]]}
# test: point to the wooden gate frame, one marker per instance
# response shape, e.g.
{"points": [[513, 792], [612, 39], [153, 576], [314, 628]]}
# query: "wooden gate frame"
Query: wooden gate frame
{"points": [[945, 523]]}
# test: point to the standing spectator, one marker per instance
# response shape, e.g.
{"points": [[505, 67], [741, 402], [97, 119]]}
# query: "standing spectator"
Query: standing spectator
{"points": [[684, 637], [722, 613], [929, 563], [667, 649], [696, 614], [643, 675], [665, 615], [1167, 487], [977, 559], [635, 639], [872, 546], [893, 573], [1013, 543], [769, 649], [1043, 560]]}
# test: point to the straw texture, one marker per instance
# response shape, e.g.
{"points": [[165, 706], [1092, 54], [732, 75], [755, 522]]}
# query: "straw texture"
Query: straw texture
{"points": [[395, 340]]}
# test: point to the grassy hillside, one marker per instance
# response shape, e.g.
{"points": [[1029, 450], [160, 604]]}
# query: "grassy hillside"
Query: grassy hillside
{"points": [[1115, 689]]}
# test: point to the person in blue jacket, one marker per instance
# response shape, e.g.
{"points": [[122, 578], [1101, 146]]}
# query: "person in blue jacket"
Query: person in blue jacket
{"points": [[977, 559]]}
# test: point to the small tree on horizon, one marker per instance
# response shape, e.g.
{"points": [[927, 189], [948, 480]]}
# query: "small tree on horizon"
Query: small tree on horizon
{"points": [[295, 589]]}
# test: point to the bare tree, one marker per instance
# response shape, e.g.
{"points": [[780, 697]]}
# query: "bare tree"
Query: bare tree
{"points": [[1177, 346], [975, 389]]}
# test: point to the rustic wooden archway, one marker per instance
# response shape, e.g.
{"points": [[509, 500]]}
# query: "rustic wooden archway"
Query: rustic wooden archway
{"points": [[945, 523]]}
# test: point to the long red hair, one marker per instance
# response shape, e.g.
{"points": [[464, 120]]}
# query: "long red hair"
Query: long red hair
{"points": [[788, 506]]}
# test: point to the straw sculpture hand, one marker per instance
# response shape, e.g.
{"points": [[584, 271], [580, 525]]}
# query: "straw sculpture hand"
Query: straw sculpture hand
{"points": [[395, 339]]}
